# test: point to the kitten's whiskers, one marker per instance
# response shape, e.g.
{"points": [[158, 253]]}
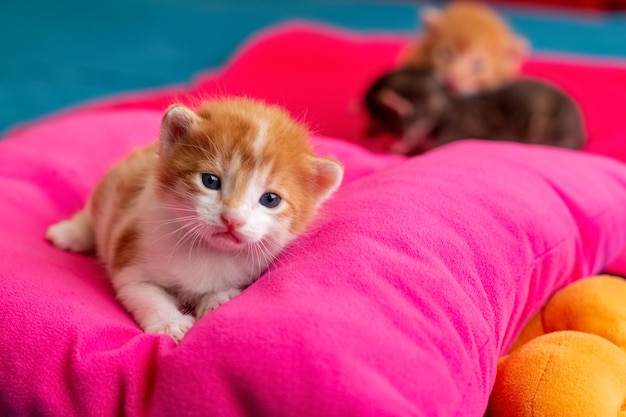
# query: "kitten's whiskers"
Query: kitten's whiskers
{"points": [[184, 238], [163, 223], [175, 208], [195, 235]]}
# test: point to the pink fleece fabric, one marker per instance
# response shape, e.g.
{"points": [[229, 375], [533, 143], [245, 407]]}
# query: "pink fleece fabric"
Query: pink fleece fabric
{"points": [[398, 301]]}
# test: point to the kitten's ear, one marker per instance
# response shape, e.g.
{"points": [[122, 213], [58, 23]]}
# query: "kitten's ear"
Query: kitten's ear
{"points": [[176, 124], [328, 176], [431, 18], [395, 102]]}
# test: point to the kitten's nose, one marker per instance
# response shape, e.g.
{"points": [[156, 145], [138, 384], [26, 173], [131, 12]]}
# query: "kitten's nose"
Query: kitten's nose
{"points": [[231, 220]]}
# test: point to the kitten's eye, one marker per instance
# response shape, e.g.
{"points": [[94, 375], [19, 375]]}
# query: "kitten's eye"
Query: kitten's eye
{"points": [[211, 181], [270, 200]]}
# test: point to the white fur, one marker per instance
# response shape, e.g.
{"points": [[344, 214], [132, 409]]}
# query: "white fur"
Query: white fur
{"points": [[261, 139], [151, 305], [74, 234]]}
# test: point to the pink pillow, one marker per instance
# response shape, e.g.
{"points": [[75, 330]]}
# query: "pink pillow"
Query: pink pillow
{"points": [[398, 301]]}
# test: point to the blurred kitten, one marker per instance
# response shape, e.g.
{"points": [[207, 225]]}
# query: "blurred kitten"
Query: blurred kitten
{"points": [[470, 46], [413, 104], [196, 217]]}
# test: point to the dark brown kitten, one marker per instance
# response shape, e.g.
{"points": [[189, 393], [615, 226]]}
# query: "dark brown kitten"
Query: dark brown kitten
{"points": [[412, 103]]}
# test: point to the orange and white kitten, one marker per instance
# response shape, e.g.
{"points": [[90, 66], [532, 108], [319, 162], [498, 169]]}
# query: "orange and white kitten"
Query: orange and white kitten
{"points": [[470, 46], [196, 217]]}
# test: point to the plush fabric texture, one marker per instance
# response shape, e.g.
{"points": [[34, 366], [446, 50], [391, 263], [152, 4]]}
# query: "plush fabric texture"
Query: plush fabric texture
{"points": [[418, 274]]}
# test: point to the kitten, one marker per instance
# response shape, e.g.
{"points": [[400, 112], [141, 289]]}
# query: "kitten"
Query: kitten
{"points": [[194, 218], [413, 104], [470, 46]]}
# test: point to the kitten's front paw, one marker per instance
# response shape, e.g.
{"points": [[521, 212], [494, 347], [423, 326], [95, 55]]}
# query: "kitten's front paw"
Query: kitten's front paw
{"points": [[71, 235], [175, 328], [213, 301]]}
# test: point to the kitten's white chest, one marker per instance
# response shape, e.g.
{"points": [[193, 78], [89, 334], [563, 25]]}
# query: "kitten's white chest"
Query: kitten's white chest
{"points": [[196, 268]]}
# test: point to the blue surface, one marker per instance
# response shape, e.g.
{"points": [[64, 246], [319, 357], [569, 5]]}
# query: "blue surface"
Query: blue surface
{"points": [[59, 53]]}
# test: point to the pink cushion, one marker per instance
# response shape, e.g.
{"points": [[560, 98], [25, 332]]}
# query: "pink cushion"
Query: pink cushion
{"points": [[417, 276]]}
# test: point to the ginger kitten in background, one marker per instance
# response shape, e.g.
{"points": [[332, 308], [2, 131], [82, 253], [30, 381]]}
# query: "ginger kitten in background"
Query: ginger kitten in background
{"points": [[470, 46], [196, 217]]}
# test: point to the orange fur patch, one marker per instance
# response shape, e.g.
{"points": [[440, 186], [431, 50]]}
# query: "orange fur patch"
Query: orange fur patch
{"points": [[125, 248], [116, 195]]}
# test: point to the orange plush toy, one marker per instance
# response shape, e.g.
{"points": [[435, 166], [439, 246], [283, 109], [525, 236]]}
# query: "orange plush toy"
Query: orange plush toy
{"points": [[570, 360]]}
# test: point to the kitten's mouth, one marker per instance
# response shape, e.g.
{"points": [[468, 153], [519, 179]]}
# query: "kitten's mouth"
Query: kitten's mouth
{"points": [[230, 235], [227, 240]]}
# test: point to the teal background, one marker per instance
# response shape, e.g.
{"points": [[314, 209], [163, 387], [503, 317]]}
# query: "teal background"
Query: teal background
{"points": [[56, 54]]}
